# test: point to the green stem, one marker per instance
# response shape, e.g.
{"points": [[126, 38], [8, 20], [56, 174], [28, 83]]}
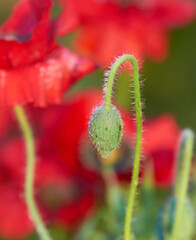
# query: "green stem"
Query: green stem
{"points": [[111, 182], [29, 176], [186, 150], [134, 183]]}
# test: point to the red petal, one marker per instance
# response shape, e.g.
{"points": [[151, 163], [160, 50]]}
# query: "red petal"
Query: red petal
{"points": [[160, 140], [7, 123], [45, 82], [76, 12], [25, 16], [160, 133], [14, 218], [67, 21], [115, 31], [68, 216], [35, 49], [41, 42], [164, 162], [173, 13], [5, 48], [70, 126], [13, 160]]}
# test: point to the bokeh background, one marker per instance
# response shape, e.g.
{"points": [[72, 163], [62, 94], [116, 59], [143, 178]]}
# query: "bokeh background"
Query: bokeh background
{"points": [[169, 86]]}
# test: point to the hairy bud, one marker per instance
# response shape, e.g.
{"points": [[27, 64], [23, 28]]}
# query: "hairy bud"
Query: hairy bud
{"points": [[105, 129]]}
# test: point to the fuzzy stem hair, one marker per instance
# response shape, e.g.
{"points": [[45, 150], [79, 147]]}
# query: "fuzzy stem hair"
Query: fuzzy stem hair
{"points": [[137, 155]]}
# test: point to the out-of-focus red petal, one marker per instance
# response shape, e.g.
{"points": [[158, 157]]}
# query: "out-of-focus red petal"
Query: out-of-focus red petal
{"points": [[105, 40], [29, 51], [172, 13], [5, 48], [6, 123], [68, 17], [35, 49], [109, 28], [12, 160], [76, 12], [70, 126], [48, 171], [25, 16], [33, 69], [160, 133], [68, 216], [160, 142], [45, 82], [14, 218], [66, 196], [164, 163]]}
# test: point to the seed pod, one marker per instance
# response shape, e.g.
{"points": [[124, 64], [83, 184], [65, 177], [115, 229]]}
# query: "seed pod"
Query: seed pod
{"points": [[105, 129]]}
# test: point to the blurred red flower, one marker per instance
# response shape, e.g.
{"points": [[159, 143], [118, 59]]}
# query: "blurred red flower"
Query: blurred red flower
{"points": [[160, 143], [33, 67], [68, 183], [64, 196], [110, 28]]}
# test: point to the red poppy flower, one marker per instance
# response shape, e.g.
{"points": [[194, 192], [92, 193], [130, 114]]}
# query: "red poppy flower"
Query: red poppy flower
{"points": [[160, 141], [111, 28], [33, 68], [14, 218], [64, 196]]}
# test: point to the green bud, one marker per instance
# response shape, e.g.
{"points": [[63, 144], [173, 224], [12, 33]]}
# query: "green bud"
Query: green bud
{"points": [[105, 129], [187, 222]]}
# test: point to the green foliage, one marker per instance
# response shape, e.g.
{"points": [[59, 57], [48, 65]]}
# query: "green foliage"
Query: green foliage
{"points": [[55, 232], [166, 221], [145, 217], [107, 223]]}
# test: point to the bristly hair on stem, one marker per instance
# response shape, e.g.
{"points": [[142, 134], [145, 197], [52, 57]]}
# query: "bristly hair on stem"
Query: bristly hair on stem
{"points": [[105, 130]]}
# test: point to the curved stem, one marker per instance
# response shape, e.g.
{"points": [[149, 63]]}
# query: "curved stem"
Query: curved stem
{"points": [[186, 150], [134, 183], [29, 176]]}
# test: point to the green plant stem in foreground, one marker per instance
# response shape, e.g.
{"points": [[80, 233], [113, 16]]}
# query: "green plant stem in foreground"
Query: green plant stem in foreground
{"points": [[129, 211], [186, 150], [29, 176]]}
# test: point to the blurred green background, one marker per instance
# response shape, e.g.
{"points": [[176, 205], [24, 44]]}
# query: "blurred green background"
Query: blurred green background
{"points": [[169, 86]]}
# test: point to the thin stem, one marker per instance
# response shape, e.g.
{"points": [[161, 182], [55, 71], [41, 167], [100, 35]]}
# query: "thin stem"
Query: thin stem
{"points": [[29, 176], [111, 182], [186, 150], [134, 183]]}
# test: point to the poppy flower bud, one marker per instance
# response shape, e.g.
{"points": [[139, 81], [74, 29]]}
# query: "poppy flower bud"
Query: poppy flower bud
{"points": [[187, 222], [105, 129]]}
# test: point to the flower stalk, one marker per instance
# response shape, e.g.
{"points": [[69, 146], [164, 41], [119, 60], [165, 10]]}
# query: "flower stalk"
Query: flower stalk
{"points": [[184, 159], [137, 155], [30, 172]]}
